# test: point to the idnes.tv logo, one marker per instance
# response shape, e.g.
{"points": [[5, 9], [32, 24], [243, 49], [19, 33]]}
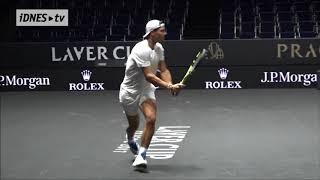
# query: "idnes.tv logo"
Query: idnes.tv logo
{"points": [[41, 17]]}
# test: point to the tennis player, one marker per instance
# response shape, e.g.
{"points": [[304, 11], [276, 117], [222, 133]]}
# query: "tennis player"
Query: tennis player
{"points": [[137, 90]]}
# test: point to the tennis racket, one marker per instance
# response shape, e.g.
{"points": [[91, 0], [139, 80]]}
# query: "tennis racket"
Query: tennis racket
{"points": [[200, 55]]}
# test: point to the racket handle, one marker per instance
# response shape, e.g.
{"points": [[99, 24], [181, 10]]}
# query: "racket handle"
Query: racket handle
{"points": [[183, 81]]}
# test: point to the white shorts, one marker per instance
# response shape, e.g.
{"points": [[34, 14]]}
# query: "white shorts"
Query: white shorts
{"points": [[131, 102]]}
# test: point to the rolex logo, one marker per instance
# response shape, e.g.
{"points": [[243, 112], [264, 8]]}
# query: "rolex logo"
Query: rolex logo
{"points": [[86, 75], [223, 84], [86, 86], [215, 51], [223, 73]]}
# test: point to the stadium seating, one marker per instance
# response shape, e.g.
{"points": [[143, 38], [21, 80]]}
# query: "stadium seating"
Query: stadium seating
{"points": [[124, 20]]}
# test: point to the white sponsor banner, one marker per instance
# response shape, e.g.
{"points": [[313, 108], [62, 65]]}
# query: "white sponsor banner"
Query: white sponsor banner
{"points": [[90, 53], [86, 86], [223, 84], [42, 17], [30, 82], [288, 77]]}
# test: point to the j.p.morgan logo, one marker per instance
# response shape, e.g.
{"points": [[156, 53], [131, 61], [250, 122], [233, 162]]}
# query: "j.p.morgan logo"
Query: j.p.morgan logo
{"points": [[86, 86], [288, 77], [223, 73], [164, 143], [89, 53], [215, 51], [30, 82]]}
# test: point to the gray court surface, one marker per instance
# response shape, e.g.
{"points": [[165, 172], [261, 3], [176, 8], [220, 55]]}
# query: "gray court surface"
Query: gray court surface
{"points": [[224, 134]]}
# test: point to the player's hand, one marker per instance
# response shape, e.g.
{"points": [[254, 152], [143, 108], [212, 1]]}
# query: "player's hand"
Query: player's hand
{"points": [[176, 88]]}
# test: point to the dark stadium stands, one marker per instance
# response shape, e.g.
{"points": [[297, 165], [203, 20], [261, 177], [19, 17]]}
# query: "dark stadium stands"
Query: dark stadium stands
{"points": [[124, 20]]}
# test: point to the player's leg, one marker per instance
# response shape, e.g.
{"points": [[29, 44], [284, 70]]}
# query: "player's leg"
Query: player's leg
{"points": [[131, 106], [133, 125], [149, 109]]}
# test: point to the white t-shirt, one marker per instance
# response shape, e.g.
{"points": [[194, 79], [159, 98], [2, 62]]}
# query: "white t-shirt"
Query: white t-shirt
{"points": [[141, 56]]}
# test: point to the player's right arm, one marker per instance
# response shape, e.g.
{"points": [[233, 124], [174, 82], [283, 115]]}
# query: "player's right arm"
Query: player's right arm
{"points": [[152, 78]]}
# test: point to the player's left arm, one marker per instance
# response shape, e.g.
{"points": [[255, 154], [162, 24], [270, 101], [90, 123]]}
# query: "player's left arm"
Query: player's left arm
{"points": [[165, 74]]}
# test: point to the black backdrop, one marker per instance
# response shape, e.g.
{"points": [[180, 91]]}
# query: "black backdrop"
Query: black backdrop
{"points": [[248, 63]]}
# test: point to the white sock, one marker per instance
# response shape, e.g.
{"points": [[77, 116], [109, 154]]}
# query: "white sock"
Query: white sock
{"points": [[142, 150]]}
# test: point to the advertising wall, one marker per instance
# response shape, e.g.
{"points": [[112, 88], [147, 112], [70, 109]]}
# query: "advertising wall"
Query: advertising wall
{"points": [[178, 53], [212, 78], [77, 79], [96, 66]]}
